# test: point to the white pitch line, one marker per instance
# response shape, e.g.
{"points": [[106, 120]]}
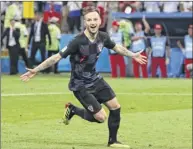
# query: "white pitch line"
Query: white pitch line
{"points": [[69, 93]]}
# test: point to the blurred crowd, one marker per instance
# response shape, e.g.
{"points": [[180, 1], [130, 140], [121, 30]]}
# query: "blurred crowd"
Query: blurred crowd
{"points": [[69, 13], [40, 25]]}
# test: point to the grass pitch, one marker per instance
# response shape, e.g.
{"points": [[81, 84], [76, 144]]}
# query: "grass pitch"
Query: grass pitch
{"points": [[156, 114]]}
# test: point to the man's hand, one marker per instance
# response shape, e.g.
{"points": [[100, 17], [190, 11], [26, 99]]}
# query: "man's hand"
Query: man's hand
{"points": [[45, 64], [167, 61], [140, 58], [143, 18], [28, 75]]}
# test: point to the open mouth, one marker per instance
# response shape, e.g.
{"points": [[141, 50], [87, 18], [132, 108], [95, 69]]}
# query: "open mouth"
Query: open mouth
{"points": [[93, 27]]}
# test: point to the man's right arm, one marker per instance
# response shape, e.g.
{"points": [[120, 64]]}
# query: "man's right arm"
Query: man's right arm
{"points": [[48, 62], [68, 50]]}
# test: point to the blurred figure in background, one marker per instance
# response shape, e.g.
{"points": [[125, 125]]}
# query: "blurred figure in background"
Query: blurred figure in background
{"points": [[152, 6], [138, 44], [74, 16], [12, 35], [55, 37], [169, 7], [38, 33], [186, 48], [160, 50], [186, 6], [126, 27], [116, 59], [22, 39], [103, 10], [11, 10]]}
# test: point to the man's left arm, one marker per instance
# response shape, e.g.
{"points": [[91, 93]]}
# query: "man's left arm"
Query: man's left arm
{"points": [[108, 43], [125, 52]]}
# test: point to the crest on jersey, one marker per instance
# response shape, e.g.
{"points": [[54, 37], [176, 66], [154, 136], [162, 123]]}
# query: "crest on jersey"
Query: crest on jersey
{"points": [[100, 46], [90, 108]]}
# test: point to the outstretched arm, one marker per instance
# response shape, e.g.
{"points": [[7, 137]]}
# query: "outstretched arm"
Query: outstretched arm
{"points": [[125, 52], [48, 62], [45, 64], [146, 24]]}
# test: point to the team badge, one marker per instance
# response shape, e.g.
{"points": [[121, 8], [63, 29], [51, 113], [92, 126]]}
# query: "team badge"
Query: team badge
{"points": [[100, 46], [90, 108]]}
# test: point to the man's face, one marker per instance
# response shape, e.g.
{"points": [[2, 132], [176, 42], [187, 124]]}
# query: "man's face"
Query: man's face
{"points": [[190, 30], [92, 22], [157, 31], [138, 27], [38, 16], [12, 23], [115, 28]]}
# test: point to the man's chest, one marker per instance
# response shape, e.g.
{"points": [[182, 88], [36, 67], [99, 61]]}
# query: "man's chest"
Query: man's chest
{"points": [[91, 49], [89, 53]]}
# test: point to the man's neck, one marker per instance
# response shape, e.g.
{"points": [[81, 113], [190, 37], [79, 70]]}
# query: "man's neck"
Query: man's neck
{"points": [[90, 36], [158, 35], [39, 20]]}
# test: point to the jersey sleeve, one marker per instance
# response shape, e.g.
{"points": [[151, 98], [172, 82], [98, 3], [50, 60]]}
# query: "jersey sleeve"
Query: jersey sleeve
{"points": [[108, 43], [70, 49]]}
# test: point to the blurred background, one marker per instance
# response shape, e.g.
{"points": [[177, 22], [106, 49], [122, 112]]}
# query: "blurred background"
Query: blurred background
{"points": [[40, 29]]}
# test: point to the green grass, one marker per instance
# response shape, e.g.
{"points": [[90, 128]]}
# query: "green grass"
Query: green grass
{"points": [[151, 121]]}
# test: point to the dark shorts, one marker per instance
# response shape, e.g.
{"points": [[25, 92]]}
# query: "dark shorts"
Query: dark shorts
{"points": [[92, 98]]}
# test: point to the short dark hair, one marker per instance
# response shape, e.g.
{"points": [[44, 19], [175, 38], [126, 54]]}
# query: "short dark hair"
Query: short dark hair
{"points": [[90, 9]]}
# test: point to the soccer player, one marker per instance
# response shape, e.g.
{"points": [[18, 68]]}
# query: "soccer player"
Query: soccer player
{"points": [[87, 85]]}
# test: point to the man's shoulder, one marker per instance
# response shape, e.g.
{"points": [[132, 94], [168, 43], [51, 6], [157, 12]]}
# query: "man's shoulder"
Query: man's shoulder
{"points": [[78, 38], [186, 36], [103, 34]]}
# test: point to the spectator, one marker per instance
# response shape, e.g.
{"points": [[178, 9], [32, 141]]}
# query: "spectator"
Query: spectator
{"points": [[159, 49], [52, 9], [116, 59], [38, 33], [11, 11], [152, 6], [55, 37], [102, 7], [138, 44], [126, 28], [186, 6], [170, 6], [187, 49], [64, 24], [12, 35], [22, 39], [88, 4], [74, 16], [129, 6], [113, 6]]}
